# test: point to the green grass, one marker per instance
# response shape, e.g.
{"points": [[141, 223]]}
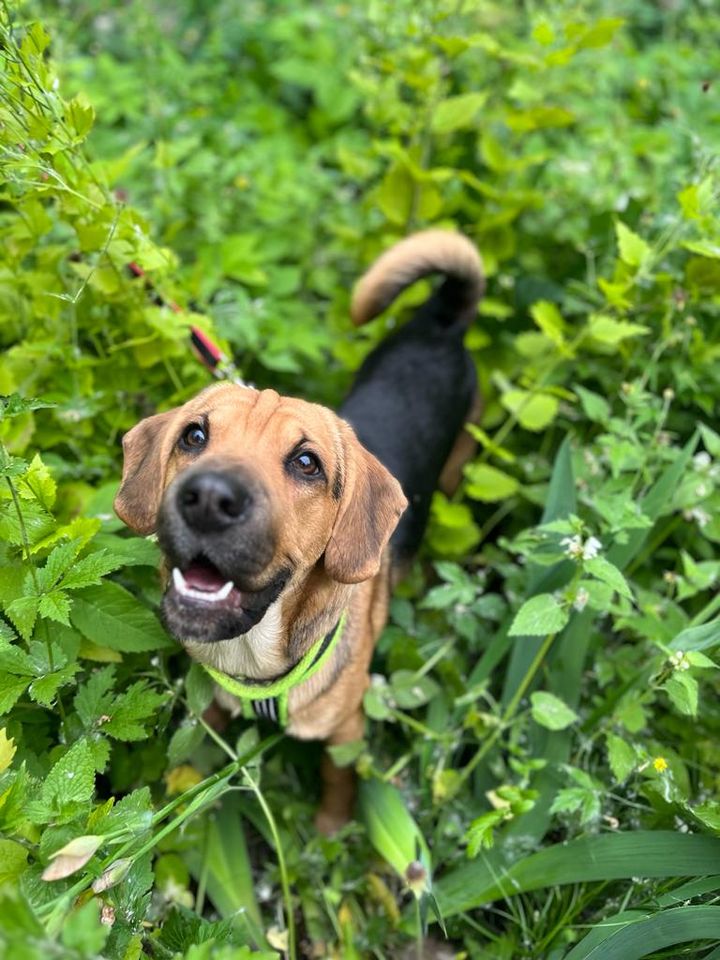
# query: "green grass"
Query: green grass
{"points": [[541, 756]]}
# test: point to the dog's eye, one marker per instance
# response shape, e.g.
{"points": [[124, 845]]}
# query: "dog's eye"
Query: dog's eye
{"points": [[193, 437], [307, 464]]}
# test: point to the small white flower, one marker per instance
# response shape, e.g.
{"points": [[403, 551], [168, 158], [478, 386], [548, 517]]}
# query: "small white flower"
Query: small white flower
{"points": [[574, 546], [701, 461], [581, 599], [679, 661], [701, 490], [702, 517], [592, 548]]}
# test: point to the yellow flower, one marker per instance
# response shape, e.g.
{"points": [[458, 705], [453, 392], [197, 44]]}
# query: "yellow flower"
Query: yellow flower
{"points": [[660, 764]]}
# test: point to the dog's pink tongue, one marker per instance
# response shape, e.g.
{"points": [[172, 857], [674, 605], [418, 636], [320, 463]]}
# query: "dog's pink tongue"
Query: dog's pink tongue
{"points": [[203, 577]]}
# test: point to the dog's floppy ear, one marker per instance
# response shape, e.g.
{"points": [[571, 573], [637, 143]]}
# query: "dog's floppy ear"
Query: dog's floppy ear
{"points": [[371, 504], [146, 449]]}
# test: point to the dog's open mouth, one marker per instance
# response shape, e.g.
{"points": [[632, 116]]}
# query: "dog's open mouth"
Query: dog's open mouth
{"points": [[202, 603], [202, 583]]}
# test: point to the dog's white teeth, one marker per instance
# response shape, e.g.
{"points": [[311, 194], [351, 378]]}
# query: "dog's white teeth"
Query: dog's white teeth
{"points": [[224, 591], [209, 596]]}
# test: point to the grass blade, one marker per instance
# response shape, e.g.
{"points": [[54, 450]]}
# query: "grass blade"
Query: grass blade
{"points": [[638, 938], [613, 856]]}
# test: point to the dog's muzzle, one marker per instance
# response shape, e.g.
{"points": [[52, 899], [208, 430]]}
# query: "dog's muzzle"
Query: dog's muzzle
{"points": [[216, 530]]}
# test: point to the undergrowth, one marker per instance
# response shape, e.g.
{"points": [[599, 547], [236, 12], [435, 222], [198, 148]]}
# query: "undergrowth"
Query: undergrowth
{"points": [[541, 762]]}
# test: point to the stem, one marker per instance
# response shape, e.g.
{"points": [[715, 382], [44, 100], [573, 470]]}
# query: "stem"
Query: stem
{"points": [[284, 879], [510, 710]]}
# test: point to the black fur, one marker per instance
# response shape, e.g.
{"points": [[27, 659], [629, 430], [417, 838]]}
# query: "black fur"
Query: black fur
{"points": [[410, 399]]}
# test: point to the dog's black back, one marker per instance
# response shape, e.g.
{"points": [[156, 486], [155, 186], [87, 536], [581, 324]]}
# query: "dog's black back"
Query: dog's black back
{"points": [[413, 394]]}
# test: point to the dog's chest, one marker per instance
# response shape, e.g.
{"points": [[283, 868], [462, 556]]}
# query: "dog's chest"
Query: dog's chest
{"points": [[259, 653]]}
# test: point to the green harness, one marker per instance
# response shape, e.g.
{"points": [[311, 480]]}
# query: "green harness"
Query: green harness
{"points": [[269, 698]]}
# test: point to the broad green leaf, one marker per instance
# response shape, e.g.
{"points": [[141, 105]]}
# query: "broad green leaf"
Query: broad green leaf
{"points": [[13, 861], [610, 332], [607, 572], [549, 319], [621, 757], [486, 483], [595, 407], [683, 691], [7, 750], [550, 711], [111, 617], [539, 616], [184, 742], [457, 113], [72, 779], [11, 689], [534, 411], [633, 249]]}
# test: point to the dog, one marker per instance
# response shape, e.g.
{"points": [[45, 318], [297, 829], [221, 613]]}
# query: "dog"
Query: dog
{"points": [[283, 525]]}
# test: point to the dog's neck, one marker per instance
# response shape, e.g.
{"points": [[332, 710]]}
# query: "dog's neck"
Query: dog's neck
{"points": [[305, 612]]}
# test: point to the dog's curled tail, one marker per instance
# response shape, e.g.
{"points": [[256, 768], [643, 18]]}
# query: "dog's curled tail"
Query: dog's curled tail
{"points": [[432, 251]]}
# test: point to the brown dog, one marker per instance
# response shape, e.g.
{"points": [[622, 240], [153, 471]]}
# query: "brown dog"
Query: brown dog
{"points": [[274, 517]]}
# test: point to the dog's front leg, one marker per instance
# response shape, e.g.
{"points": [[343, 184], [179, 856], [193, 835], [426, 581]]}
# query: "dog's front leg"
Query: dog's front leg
{"points": [[338, 783]]}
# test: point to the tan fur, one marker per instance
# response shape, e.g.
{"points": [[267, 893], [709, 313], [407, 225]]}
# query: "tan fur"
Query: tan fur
{"points": [[334, 535], [431, 251], [337, 547]]}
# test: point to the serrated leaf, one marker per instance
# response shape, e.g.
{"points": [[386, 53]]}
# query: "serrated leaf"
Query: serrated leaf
{"points": [[550, 711], [7, 750], [607, 572], [23, 612], [539, 616], [11, 689], [633, 249], [95, 697], [72, 779], [131, 711], [486, 483], [481, 832], [683, 692], [55, 606], [43, 689], [621, 757], [111, 617], [90, 570]]}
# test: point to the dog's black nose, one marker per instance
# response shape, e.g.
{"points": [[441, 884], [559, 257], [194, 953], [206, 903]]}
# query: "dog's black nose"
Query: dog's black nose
{"points": [[212, 501]]}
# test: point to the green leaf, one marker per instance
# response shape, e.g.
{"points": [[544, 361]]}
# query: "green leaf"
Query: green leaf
{"points": [[621, 757], [111, 617], [131, 711], [199, 688], [550, 711], [90, 569], [481, 832], [633, 249], [457, 113], [607, 572], [549, 319], [595, 407], [184, 742], [590, 859], [410, 691], [72, 779], [641, 935], [534, 411], [539, 616], [82, 930], [95, 697], [486, 483], [609, 332], [44, 689], [13, 860], [683, 692], [11, 689]]}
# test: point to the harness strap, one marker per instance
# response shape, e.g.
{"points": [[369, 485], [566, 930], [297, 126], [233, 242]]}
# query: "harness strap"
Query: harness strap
{"points": [[268, 699]]}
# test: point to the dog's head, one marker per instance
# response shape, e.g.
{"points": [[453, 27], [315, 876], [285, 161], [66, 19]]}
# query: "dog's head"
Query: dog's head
{"points": [[249, 491]]}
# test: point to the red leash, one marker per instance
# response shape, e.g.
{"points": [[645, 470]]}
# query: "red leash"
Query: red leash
{"points": [[207, 352]]}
